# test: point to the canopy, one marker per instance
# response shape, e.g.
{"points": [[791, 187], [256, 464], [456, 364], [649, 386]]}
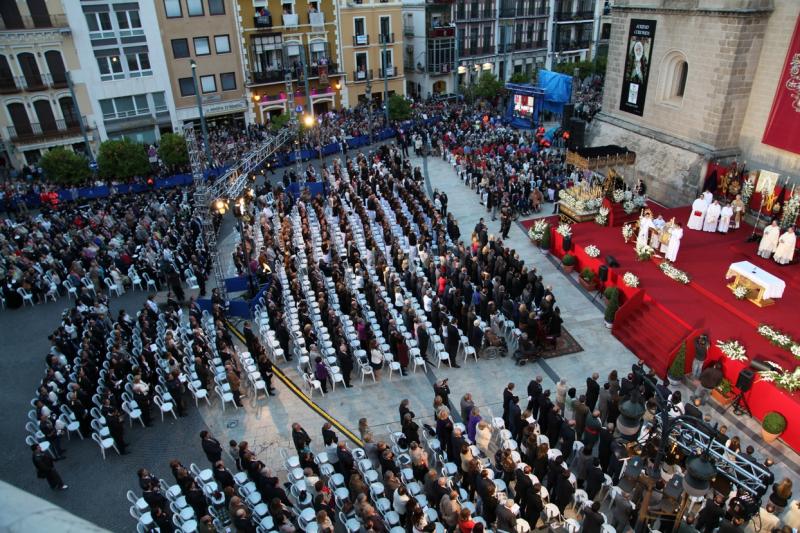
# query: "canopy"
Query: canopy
{"points": [[557, 89]]}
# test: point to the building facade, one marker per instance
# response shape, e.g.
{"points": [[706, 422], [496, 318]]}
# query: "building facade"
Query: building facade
{"points": [[297, 38], [122, 62], [37, 57], [429, 47], [705, 98], [371, 41], [201, 44]]}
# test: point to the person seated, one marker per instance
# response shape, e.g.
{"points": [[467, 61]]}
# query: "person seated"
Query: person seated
{"points": [[526, 350]]}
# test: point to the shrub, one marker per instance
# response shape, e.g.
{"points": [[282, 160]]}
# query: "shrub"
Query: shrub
{"points": [[587, 274], [399, 108], [569, 260], [545, 244], [725, 387], [122, 160], [172, 150], [678, 367], [774, 423], [65, 167], [279, 122], [612, 293]]}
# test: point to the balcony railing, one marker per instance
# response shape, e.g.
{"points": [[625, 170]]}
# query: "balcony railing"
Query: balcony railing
{"points": [[361, 40], [441, 68], [477, 51], [290, 20], [43, 82], [8, 85], [442, 31], [408, 29], [269, 76], [386, 38], [508, 12], [313, 71], [529, 45], [564, 46], [568, 16], [60, 128], [439, 1], [362, 75], [262, 21], [388, 72], [37, 23], [483, 13]]}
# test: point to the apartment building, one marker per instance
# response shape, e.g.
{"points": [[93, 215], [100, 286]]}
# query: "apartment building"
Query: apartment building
{"points": [[575, 27], [294, 42], [371, 49], [39, 111], [429, 47], [201, 43], [122, 62]]}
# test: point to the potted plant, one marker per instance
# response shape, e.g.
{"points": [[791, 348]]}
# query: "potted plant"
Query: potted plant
{"points": [[568, 262], [723, 393], [772, 426], [544, 244], [587, 279], [678, 367], [612, 294]]}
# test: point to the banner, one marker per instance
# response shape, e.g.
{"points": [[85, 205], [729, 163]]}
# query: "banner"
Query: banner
{"points": [[637, 66], [783, 126]]}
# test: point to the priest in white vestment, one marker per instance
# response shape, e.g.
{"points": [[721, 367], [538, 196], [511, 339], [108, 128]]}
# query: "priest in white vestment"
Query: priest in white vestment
{"points": [[725, 218], [769, 240], [698, 214], [645, 223], [708, 197], [785, 249], [658, 224], [674, 242], [712, 217]]}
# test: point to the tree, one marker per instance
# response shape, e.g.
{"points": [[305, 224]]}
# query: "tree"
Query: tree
{"points": [[399, 108], [122, 159], [65, 166], [488, 86], [172, 150], [279, 122], [585, 68], [520, 77]]}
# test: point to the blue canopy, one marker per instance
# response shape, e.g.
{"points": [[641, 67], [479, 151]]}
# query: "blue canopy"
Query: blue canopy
{"points": [[557, 89]]}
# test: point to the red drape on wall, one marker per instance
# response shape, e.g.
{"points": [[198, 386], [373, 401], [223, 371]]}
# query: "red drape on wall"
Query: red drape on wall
{"points": [[783, 126]]}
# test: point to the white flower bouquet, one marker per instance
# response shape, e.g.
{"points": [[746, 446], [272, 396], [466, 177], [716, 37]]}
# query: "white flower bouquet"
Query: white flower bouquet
{"points": [[732, 350], [629, 206], [602, 216], [644, 252], [776, 337], [564, 229], [630, 279], [747, 189], [740, 292], [627, 232], [536, 233], [592, 251], [783, 379], [619, 195], [674, 273]]}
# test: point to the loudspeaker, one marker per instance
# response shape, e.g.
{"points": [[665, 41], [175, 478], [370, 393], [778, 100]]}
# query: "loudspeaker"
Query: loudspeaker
{"points": [[577, 132], [602, 273], [567, 243], [566, 115], [745, 380], [760, 365], [612, 261]]}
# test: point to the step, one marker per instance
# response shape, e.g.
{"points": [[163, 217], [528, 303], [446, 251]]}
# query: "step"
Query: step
{"points": [[662, 336], [662, 325]]}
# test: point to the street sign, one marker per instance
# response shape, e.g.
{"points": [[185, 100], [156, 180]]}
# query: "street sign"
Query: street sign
{"points": [[298, 109], [93, 165]]}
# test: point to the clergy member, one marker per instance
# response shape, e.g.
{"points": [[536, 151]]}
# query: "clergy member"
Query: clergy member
{"points": [[674, 242], [712, 217], [708, 197], [785, 250], [738, 211], [645, 223], [698, 214], [658, 224], [769, 240], [725, 218]]}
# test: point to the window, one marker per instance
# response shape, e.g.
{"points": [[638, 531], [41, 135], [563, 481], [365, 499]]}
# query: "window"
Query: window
{"points": [[359, 26], [99, 25], [201, 46], [216, 7], [361, 65], [268, 53], [173, 8], [187, 86], [675, 73], [386, 60], [138, 64], [222, 44], [194, 8], [110, 67], [159, 102], [386, 27], [683, 72], [180, 48], [208, 84], [125, 106], [228, 81], [129, 23], [319, 51]]}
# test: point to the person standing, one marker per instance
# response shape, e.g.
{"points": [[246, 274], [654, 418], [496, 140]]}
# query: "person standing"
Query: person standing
{"points": [[46, 469], [738, 211], [700, 351], [674, 243], [698, 215], [725, 218], [769, 240], [116, 426], [592, 391], [784, 251], [211, 447]]}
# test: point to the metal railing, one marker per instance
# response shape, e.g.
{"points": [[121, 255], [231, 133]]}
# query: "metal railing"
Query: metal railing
{"points": [[562, 46], [268, 76], [386, 38], [39, 82], [568, 16], [362, 75], [262, 21], [361, 40], [313, 71], [477, 50], [442, 31], [408, 29], [529, 45], [482, 13], [35, 130], [389, 72]]}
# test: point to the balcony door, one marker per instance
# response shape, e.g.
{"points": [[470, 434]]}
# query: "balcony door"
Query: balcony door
{"points": [[39, 14], [20, 120], [6, 77], [27, 63], [56, 67], [11, 16], [44, 113], [67, 107]]}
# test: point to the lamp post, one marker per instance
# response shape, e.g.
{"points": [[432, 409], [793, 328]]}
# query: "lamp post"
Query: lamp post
{"points": [[199, 100], [369, 105], [384, 64], [71, 88]]}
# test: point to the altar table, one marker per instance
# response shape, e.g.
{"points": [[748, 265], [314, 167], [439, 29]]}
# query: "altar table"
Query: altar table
{"points": [[766, 286]]}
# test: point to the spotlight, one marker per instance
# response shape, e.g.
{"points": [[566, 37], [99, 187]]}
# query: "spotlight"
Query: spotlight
{"points": [[699, 473], [308, 120]]}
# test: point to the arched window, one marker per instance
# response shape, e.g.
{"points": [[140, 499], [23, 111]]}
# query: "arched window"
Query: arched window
{"points": [[674, 74]]}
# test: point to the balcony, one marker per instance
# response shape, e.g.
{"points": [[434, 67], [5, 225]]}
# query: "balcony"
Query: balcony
{"points": [[566, 46], [477, 51], [35, 131], [576, 16], [442, 31], [8, 85], [386, 38], [388, 72], [508, 12], [482, 13], [41, 82], [333, 70], [262, 21], [290, 20], [441, 68], [268, 76], [362, 75], [529, 45], [361, 40], [316, 20], [440, 2], [408, 30], [36, 23]]}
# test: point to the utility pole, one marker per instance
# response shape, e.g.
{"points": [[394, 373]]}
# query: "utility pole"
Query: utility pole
{"points": [[80, 118], [304, 63], [203, 127], [456, 42], [369, 104], [293, 119], [384, 63]]}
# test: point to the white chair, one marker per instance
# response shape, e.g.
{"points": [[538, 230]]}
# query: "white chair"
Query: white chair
{"points": [[88, 284], [165, 407], [113, 287], [191, 279], [312, 384], [30, 440], [136, 280], [27, 298], [442, 355], [469, 351], [138, 503], [198, 394], [394, 366], [150, 282], [133, 413], [71, 289], [105, 444], [225, 397], [71, 426], [366, 370]]}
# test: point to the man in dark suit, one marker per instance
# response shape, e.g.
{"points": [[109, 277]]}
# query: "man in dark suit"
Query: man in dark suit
{"points": [[45, 468], [604, 447], [515, 418], [116, 427], [300, 437], [592, 519], [592, 391], [534, 391], [693, 408], [711, 514], [554, 420], [581, 410], [508, 393], [567, 438], [523, 486], [594, 478], [533, 505], [506, 519], [328, 435], [211, 447]]}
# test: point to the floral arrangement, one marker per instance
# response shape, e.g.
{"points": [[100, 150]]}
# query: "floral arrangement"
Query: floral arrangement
{"points": [[783, 379], [776, 337], [640, 201], [602, 216], [644, 252], [790, 211], [732, 350], [630, 279], [619, 195], [748, 187], [564, 229], [629, 206], [628, 195], [740, 292], [581, 200], [594, 203], [627, 232], [538, 229], [674, 273], [592, 250]]}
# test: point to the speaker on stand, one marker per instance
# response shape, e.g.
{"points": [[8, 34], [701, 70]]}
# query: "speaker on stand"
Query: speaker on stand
{"points": [[743, 382], [602, 275]]}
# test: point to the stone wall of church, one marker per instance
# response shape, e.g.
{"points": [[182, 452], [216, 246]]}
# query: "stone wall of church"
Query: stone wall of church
{"points": [[773, 55], [721, 43]]}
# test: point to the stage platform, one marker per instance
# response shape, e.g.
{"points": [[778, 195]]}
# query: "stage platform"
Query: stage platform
{"points": [[657, 318]]}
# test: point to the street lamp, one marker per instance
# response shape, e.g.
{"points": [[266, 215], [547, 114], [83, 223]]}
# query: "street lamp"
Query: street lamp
{"points": [[308, 121], [369, 105], [199, 100]]}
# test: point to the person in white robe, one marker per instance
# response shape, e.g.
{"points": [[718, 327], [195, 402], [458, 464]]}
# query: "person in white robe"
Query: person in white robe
{"points": [[698, 214], [784, 253], [674, 245], [769, 240], [658, 224], [665, 236], [708, 197], [645, 223], [725, 216], [712, 217]]}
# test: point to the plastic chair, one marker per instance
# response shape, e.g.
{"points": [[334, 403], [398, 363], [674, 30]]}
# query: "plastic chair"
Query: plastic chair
{"points": [[225, 397], [104, 444], [27, 298], [113, 287], [198, 394], [165, 407]]}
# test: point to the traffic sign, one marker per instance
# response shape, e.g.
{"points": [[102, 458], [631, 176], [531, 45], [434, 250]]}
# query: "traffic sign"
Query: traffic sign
{"points": [[298, 109]]}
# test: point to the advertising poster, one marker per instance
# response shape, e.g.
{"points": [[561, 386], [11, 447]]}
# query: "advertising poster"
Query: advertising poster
{"points": [[637, 66]]}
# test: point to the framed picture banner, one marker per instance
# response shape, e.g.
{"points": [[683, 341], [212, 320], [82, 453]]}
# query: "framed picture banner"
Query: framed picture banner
{"points": [[637, 65]]}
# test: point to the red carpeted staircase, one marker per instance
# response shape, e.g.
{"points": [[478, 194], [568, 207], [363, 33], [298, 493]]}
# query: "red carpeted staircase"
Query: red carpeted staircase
{"points": [[652, 333], [617, 215]]}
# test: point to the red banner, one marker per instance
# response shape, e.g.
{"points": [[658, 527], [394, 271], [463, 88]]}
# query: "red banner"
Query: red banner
{"points": [[783, 126]]}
